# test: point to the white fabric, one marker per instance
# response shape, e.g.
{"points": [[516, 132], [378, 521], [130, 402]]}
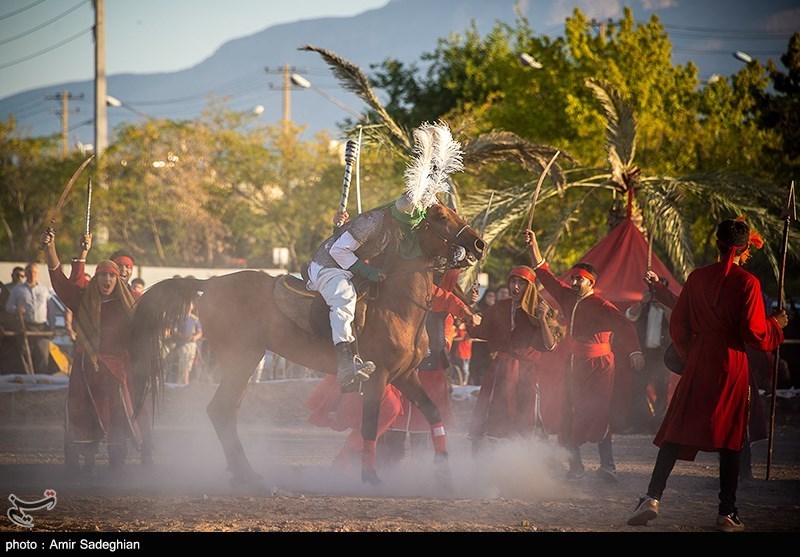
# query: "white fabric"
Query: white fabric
{"points": [[343, 250], [655, 320], [336, 287]]}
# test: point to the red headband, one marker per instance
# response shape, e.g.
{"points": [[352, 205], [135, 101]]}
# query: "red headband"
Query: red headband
{"points": [[105, 267], [583, 273], [523, 272], [124, 260]]}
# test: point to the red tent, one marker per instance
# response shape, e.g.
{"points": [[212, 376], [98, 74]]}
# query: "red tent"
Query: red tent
{"points": [[621, 262]]}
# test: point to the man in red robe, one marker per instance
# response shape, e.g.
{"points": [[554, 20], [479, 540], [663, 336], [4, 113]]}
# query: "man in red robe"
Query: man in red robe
{"points": [[719, 311], [99, 402], [518, 330], [589, 382]]}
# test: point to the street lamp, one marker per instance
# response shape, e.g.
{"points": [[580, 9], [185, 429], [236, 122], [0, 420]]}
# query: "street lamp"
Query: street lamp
{"points": [[743, 56], [530, 61], [300, 81], [116, 103]]}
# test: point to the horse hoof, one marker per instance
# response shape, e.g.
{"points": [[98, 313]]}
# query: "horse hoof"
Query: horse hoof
{"points": [[441, 471], [249, 479], [370, 477]]}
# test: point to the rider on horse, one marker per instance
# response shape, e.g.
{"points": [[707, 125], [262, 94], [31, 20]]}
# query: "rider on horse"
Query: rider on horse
{"points": [[354, 245], [344, 255]]}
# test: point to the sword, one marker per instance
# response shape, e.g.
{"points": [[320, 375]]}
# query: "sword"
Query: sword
{"points": [[539, 187], [88, 209], [64, 195], [350, 156], [483, 229]]}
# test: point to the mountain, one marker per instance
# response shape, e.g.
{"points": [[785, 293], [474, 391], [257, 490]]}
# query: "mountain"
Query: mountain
{"points": [[248, 70]]}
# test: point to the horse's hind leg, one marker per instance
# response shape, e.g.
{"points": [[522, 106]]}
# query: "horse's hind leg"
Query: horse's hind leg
{"points": [[223, 410], [413, 390]]}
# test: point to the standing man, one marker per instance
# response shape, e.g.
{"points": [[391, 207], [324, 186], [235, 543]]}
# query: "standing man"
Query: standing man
{"points": [[651, 319], [719, 311], [29, 299], [518, 330], [589, 381]]}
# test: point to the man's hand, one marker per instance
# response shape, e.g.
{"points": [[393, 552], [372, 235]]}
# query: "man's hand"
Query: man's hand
{"points": [[651, 278], [476, 319], [85, 243], [781, 318], [637, 361], [340, 218], [47, 237], [530, 236]]}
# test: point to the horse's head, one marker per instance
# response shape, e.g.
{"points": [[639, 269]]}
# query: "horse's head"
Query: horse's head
{"points": [[444, 234]]}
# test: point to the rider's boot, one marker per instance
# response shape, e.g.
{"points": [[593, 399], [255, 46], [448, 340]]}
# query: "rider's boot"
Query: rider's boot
{"points": [[349, 367]]}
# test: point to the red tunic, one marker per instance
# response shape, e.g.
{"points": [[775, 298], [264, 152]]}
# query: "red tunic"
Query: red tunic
{"points": [[99, 405], [593, 382], [506, 404], [710, 407]]}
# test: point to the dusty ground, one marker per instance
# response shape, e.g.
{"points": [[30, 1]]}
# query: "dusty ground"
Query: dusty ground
{"points": [[517, 487]]}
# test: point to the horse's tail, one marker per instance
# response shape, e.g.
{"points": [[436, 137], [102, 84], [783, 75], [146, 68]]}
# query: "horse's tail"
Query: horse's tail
{"points": [[156, 312]]}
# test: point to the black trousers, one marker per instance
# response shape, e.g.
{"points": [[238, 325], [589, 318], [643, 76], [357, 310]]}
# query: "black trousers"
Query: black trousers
{"points": [[728, 475]]}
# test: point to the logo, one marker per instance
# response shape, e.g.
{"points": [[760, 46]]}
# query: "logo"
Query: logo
{"points": [[17, 514]]}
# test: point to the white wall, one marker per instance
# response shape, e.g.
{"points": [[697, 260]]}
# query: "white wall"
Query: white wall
{"points": [[150, 275]]}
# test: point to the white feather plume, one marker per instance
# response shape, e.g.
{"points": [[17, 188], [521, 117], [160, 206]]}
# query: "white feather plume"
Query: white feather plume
{"points": [[437, 156]]}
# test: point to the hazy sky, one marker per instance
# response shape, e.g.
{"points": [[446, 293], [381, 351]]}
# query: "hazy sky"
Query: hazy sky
{"points": [[142, 36]]}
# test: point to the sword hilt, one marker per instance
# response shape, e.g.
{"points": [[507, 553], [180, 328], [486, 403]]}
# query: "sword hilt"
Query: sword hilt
{"points": [[48, 230]]}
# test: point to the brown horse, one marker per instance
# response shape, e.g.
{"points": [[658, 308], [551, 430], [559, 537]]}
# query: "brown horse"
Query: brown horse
{"points": [[241, 321]]}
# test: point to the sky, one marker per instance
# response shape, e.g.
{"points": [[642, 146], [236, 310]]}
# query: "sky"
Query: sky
{"points": [[142, 36]]}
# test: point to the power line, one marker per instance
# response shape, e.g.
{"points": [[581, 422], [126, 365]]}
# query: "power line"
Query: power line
{"points": [[19, 11], [46, 23], [48, 49]]}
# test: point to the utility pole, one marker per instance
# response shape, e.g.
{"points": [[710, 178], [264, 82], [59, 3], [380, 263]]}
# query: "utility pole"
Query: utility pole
{"points": [[64, 96], [100, 90], [286, 71]]}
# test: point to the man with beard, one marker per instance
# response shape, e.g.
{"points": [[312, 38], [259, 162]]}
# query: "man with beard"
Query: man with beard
{"points": [[592, 322]]}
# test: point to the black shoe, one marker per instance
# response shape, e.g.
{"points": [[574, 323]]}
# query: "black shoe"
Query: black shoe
{"points": [[645, 511], [729, 523], [349, 367]]}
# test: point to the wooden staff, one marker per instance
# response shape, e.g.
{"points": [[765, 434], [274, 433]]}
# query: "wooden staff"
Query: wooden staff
{"points": [[788, 215]]}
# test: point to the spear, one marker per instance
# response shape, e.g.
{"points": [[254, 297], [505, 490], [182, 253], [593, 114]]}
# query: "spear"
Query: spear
{"points": [[788, 215]]}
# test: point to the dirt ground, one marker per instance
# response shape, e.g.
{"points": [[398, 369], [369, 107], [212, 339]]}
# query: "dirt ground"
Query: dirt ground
{"points": [[514, 487]]}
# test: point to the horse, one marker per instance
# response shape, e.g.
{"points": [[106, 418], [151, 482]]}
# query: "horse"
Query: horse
{"points": [[242, 320]]}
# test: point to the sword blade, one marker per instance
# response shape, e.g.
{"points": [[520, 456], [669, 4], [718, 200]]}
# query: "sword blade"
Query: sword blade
{"points": [[539, 187]]}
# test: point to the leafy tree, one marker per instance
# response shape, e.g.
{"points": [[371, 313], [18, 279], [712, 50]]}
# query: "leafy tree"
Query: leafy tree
{"points": [[33, 175]]}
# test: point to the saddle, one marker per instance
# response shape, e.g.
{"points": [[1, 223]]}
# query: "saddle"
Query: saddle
{"points": [[308, 309]]}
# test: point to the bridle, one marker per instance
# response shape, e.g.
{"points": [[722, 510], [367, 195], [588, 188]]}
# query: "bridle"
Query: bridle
{"points": [[459, 252]]}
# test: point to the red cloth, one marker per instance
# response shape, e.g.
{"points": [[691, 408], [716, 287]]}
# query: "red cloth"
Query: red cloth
{"points": [[506, 404], [594, 385], [342, 411], [99, 406], [710, 407]]}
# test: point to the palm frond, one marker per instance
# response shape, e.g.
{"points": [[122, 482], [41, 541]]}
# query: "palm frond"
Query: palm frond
{"points": [[664, 219], [503, 146], [354, 80], [620, 125]]}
